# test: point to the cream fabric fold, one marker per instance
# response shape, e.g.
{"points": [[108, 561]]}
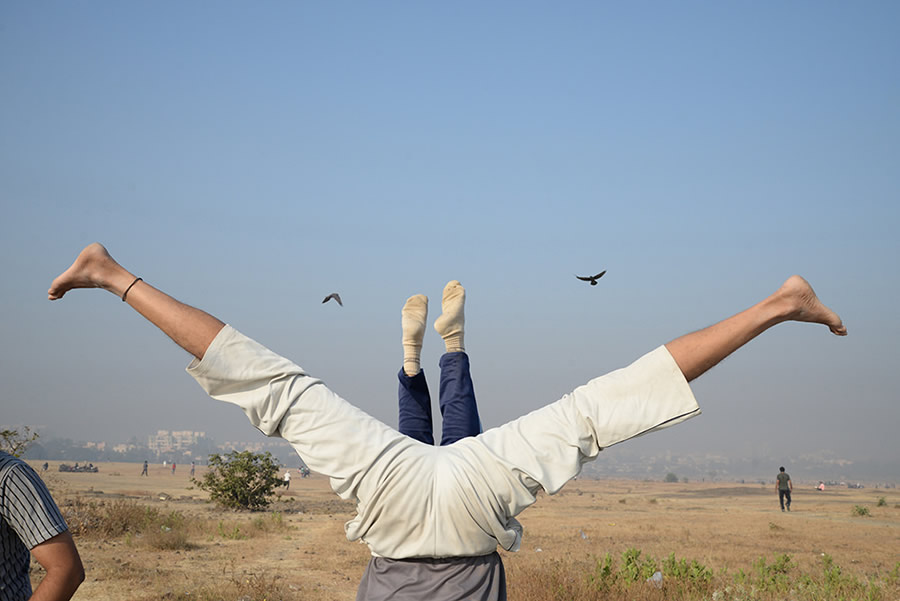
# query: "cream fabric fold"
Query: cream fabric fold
{"points": [[415, 500]]}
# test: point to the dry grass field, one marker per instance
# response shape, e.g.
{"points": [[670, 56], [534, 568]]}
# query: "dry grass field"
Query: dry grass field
{"points": [[189, 549]]}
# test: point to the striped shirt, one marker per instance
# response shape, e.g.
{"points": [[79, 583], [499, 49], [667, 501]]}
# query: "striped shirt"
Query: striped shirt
{"points": [[28, 517]]}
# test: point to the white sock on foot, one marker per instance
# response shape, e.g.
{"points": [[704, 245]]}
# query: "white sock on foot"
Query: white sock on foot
{"points": [[412, 321], [451, 324]]}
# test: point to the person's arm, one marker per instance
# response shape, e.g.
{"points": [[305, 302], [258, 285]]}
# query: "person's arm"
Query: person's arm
{"points": [[790, 485], [65, 572]]}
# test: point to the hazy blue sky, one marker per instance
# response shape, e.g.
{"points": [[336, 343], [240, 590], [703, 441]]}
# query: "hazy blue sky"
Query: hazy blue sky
{"points": [[250, 158]]}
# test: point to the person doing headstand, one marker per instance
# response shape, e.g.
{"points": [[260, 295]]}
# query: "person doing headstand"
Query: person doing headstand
{"points": [[459, 500], [480, 577]]}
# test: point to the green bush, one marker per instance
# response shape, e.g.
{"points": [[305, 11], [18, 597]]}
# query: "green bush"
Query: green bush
{"points": [[636, 568], [774, 576], [605, 574], [693, 572], [861, 511], [244, 480], [882, 502], [670, 477]]}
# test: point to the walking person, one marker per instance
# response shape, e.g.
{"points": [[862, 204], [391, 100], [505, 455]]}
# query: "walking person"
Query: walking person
{"points": [[785, 487], [144, 470], [455, 501]]}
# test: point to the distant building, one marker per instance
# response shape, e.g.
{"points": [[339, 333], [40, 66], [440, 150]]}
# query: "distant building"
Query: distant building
{"points": [[165, 441]]}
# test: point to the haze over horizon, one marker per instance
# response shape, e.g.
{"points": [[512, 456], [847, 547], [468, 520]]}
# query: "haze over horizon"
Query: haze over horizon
{"points": [[250, 160]]}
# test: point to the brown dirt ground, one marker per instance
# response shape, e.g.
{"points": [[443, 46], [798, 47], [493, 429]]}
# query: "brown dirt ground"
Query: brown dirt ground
{"points": [[722, 525]]}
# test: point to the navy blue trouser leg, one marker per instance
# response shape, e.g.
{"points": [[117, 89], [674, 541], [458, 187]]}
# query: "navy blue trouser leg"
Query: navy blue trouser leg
{"points": [[415, 407], [457, 399]]}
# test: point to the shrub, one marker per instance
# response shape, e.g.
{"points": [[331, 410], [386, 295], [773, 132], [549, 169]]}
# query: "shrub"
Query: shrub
{"points": [[108, 519], [774, 576], [689, 580], [670, 477], [127, 519], [16, 443], [861, 511], [244, 480], [692, 573], [272, 522], [233, 533], [635, 568], [882, 502]]}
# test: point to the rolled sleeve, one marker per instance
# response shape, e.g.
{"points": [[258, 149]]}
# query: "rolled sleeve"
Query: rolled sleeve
{"points": [[239, 370]]}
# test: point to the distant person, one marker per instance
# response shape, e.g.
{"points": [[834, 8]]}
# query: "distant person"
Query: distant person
{"points": [[193, 468], [173, 468], [144, 470], [439, 504], [31, 525], [784, 486], [45, 467], [821, 486], [287, 479]]}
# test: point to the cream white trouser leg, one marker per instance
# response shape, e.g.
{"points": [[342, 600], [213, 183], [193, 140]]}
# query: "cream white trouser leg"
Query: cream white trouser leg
{"points": [[415, 500]]}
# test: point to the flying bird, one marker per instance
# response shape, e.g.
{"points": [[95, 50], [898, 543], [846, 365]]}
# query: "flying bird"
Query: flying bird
{"points": [[335, 296], [591, 278]]}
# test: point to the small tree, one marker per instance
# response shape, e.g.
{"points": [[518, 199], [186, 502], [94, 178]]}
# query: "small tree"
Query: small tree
{"points": [[242, 480], [16, 443], [671, 477]]}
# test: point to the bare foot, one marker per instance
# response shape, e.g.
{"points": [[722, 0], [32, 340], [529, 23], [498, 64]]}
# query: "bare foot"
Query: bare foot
{"points": [[94, 268], [806, 306]]}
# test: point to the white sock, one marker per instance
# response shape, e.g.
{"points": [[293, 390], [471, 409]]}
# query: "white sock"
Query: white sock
{"points": [[412, 321], [451, 324]]}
